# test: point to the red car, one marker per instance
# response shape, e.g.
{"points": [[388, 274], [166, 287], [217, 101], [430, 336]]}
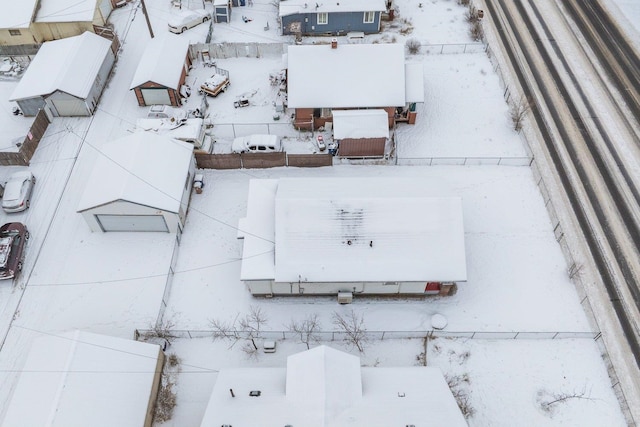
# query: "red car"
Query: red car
{"points": [[13, 237]]}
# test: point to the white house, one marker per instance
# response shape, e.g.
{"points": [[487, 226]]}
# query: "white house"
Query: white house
{"points": [[66, 77], [85, 379], [326, 387], [141, 182], [357, 235]]}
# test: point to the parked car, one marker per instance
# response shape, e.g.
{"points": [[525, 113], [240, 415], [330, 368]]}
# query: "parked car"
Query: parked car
{"points": [[257, 144], [13, 237], [17, 191], [185, 19]]}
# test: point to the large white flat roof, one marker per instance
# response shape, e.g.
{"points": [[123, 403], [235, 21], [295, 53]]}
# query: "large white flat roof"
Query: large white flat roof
{"points": [[66, 10], [351, 230], [143, 168], [84, 379], [351, 76], [330, 394], [291, 7], [162, 61], [17, 14], [69, 65]]}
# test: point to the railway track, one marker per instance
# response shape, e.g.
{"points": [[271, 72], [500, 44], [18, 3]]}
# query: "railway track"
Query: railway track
{"points": [[586, 111]]}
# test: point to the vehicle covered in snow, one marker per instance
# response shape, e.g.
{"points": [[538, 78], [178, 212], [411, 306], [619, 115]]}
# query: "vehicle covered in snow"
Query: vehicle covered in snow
{"points": [[17, 191], [13, 237], [192, 131], [184, 19], [166, 112], [257, 144]]}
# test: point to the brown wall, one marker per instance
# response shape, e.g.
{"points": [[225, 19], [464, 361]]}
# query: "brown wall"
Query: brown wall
{"points": [[303, 117], [218, 161], [309, 160]]}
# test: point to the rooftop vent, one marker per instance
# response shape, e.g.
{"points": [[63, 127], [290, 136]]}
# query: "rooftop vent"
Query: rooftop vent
{"points": [[334, 43], [255, 393]]}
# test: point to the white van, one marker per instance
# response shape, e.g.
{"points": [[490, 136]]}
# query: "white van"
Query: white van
{"points": [[257, 144]]}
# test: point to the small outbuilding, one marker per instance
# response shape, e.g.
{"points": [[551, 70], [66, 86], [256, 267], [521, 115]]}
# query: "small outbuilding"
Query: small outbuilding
{"points": [[141, 182], [362, 133], [162, 71], [84, 379], [326, 387], [66, 77], [312, 236], [222, 11]]}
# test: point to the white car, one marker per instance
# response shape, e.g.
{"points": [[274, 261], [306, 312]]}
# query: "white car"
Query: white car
{"points": [[257, 144], [185, 19], [17, 191]]}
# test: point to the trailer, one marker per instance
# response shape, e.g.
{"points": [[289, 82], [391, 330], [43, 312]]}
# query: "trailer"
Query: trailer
{"points": [[218, 82]]}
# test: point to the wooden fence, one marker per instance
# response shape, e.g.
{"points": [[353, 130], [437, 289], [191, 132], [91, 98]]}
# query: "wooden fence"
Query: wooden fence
{"points": [[261, 160], [28, 147]]}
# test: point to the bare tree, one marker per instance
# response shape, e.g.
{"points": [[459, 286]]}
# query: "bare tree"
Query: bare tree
{"points": [[247, 327], [518, 111], [307, 329], [548, 400], [352, 324], [252, 324]]}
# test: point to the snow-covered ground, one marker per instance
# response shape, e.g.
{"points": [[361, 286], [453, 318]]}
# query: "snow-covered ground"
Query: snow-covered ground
{"points": [[114, 283]]}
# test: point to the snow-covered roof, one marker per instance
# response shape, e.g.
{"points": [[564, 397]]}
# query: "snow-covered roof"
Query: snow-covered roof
{"points": [[162, 61], [69, 65], [258, 231], [414, 75], [291, 7], [356, 75], [142, 168], [17, 14], [323, 387], [405, 229], [84, 379], [360, 124], [66, 10]]}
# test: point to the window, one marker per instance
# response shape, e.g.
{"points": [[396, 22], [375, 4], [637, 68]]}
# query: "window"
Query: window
{"points": [[15, 33], [325, 112], [369, 17], [323, 18]]}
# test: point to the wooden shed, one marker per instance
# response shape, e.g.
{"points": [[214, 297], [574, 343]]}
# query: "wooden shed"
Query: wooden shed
{"points": [[66, 77], [162, 71], [85, 379], [361, 133], [141, 182]]}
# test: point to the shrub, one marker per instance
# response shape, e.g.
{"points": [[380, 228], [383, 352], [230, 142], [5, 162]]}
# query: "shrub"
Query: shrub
{"points": [[413, 46]]}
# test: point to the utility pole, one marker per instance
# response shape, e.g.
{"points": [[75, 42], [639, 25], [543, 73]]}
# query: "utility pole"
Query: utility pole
{"points": [[146, 16]]}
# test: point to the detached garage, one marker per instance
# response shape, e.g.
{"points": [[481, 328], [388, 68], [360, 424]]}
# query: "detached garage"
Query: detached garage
{"points": [[84, 379], [162, 71], [141, 182], [66, 77]]}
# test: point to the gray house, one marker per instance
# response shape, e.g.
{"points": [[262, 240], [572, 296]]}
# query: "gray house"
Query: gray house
{"points": [[66, 77], [310, 18]]}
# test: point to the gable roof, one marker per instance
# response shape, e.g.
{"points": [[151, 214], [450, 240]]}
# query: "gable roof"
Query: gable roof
{"points": [[66, 10], [407, 230], [17, 14], [142, 168], [291, 7], [69, 65], [162, 62], [350, 76], [323, 387], [84, 379]]}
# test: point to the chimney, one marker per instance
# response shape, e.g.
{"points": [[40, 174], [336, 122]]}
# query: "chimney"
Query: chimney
{"points": [[334, 43]]}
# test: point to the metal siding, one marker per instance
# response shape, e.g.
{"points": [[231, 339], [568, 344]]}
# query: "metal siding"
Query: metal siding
{"points": [[65, 105], [31, 106], [136, 223]]}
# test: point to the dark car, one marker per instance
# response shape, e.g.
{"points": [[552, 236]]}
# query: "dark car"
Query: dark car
{"points": [[13, 237]]}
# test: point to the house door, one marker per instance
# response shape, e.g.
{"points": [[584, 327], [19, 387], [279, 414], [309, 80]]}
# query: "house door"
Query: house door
{"points": [[156, 96]]}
